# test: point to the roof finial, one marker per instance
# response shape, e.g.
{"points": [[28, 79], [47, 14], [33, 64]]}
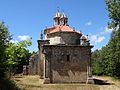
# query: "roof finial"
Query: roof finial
{"points": [[41, 35], [87, 37]]}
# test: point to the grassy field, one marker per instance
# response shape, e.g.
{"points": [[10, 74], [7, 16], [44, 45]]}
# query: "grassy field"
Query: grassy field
{"points": [[34, 83]]}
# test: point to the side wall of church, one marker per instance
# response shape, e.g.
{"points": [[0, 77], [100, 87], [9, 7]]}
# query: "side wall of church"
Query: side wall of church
{"points": [[66, 63], [67, 38]]}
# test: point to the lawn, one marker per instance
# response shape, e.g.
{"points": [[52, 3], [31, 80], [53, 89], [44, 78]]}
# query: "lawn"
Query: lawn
{"points": [[34, 83]]}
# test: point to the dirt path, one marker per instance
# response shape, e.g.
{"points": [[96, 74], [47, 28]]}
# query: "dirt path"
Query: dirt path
{"points": [[34, 83]]}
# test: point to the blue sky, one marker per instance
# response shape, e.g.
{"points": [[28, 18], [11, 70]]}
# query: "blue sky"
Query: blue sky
{"points": [[26, 18]]}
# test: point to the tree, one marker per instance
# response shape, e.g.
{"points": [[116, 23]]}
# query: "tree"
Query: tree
{"points": [[113, 7], [114, 43], [96, 63], [100, 61], [18, 55], [12, 56], [109, 56], [4, 40]]}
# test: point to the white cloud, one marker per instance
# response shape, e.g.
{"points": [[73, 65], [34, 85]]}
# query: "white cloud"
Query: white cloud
{"points": [[24, 37], [106, 30], [96, 39], [100, 39], [88, 23], [13, 41]]}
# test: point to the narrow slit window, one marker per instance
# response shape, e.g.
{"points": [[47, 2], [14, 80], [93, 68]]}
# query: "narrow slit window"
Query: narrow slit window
{"points": [[68, 58]]}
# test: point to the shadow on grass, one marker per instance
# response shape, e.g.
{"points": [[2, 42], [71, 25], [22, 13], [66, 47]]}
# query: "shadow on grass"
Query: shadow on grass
{"points": [[6, 84], [102, 82]]}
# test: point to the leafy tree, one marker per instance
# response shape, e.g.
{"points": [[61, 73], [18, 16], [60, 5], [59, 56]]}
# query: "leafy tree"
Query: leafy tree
{"points": [[18, 55], [114, 43], [12, 56], [113, 7], [4, 40], [100, 61], [108, 58], [95, 63]]}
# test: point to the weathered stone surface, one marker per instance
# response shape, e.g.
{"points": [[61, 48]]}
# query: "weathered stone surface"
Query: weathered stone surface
{"points": [[66, 63], [68, 38], [33, 65], [90, 80], [64, 57], [25, 69]]}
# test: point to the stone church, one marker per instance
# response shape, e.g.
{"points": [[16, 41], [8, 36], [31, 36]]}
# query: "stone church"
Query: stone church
{"points": [[64, 54]]}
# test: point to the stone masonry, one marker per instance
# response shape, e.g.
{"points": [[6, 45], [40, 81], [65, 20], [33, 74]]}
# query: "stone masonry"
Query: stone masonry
{"points": [[65, 54]]}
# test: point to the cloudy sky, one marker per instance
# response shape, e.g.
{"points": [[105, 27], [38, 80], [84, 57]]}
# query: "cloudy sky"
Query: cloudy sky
{"points": [[27, 18]]}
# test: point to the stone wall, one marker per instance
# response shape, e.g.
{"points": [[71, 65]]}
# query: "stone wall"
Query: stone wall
{"points": [[25, 69], [41, 57], [33, 67], [65, 64], [67, 38]]}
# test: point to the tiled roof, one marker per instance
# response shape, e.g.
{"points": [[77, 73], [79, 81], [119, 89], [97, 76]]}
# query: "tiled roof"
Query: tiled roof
{"points": [[62, 28]]}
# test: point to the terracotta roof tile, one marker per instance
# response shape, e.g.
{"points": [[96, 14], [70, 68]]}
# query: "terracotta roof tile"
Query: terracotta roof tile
{"points": [[62, 28]]}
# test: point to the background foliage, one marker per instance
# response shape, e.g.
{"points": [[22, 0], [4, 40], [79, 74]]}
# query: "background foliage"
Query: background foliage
{"points": [[12, 55], [107, 60]]}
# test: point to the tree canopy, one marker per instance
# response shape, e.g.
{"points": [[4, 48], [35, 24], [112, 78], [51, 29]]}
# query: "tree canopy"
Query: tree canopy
{"points": [[107, 60], [12, 55], [4, 40]]}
